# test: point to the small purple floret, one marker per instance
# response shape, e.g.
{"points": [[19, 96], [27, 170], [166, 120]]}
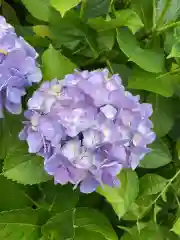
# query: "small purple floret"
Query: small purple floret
{"points": [[18, 68], [87, 127]]}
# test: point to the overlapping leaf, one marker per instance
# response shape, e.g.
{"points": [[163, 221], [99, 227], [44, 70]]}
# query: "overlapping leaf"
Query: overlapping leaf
{"points": [[72, 224], [148, 59], [121, 198], [159, 156]]}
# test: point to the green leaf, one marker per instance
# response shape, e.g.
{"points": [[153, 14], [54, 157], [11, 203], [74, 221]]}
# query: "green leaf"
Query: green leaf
{"points": [[80, 233], [125, 17], [42, 31], [63, 6], [16, 224], [139, 208], [10, 126], [70, 30], [175, 51], [159, 156], [123, 70], [148, 59], [163, 115], [71, 224], [96, 8], [106, 40], [57, 198], [121, 198], [144, 9], [176, 186], [164, 84], [176, 227], [147, 231], [22, 167], [94, 221], [168, 235], [9, 13], [13, 196], [55, 65], [178, 147], [167, 11], [171, 41], [39, 9], [60, 226], [151, 184]]}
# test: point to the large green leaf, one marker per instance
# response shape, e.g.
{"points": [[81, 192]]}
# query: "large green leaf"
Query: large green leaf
{"points": [[22, 167], [57, 198], [151, 184], [163, 114], [161, 84], [159, 156], [144, 231], [96, 8], [71, 224], [121, 198], [148, 59], [39, 9], [55, 65], [19, 224], [64, 6], [13, 196], [125, 17]]}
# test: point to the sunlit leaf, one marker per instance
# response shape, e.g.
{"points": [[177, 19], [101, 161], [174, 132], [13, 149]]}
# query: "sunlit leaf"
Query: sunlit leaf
{"points": [[39, 9], [64, 6], [55, 65], [176, 227], [121, 198], [125, 17]]}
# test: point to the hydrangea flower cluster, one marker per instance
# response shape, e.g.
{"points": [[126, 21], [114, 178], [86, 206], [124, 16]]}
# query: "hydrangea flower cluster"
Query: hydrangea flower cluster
{"points": [[88, 128], [18, 68]]}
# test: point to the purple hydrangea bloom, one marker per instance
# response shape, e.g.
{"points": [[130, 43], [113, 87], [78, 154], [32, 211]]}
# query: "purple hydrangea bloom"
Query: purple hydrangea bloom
{"points": [[18, 68], [87, 127]]}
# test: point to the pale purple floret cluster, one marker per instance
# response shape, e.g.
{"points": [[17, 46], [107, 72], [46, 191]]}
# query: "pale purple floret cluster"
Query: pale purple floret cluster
{"points": [[18, 68], [88, 128]]}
